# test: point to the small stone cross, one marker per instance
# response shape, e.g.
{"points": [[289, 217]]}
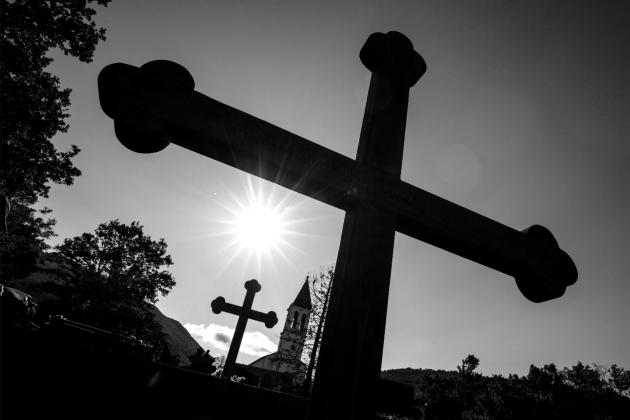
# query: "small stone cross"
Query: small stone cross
{"points": [[244, 313]]}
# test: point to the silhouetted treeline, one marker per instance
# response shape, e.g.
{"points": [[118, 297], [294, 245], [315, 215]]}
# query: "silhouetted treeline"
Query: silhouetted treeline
{"points": [[579, 392], [34, 109]]}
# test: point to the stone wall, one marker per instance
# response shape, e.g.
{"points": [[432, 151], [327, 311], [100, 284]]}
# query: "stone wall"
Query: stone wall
{"points": [[46, 377]]}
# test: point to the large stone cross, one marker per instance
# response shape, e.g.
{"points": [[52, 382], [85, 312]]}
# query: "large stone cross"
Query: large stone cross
{"points": [[244, 313], [156, 104]]}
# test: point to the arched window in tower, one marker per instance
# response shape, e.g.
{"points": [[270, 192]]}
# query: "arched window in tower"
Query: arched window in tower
{"points": [[303, 323], [295, 320]]}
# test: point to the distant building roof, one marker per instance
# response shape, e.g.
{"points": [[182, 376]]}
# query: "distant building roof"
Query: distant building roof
{"points": [[303, 299]]}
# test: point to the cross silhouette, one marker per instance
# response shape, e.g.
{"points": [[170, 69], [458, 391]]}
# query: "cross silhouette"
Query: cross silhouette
{"points": [[156, 104], [244, 313]]}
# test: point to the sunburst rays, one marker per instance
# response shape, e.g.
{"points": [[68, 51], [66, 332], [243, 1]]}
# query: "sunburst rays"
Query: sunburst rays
{"points": [[261, 225]]}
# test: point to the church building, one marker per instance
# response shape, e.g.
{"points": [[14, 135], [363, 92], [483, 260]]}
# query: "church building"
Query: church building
{"points": [[285, 365]]}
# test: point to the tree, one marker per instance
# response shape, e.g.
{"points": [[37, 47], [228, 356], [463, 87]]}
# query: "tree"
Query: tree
{"points": [[34, 108], [614, 378], [320, 284], [22, 246], [33, 104], [109, 279], [579, 392]]}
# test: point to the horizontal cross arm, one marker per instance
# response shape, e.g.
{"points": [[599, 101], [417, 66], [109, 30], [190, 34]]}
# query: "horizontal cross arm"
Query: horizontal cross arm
{"points": [[148, 109], [234, 309], [533, 257], [270, 319], [143, 105], [219, 305]]}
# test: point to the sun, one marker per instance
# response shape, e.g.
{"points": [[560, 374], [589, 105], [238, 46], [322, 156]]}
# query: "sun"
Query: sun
{"points": [[258, 227]]}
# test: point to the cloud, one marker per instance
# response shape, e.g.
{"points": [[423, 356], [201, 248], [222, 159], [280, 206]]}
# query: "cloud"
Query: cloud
{"points": [[220, 337], [223, 338]]}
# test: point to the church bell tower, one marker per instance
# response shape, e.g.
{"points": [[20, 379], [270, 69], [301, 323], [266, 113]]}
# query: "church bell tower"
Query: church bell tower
{"points": [[294, 333]]}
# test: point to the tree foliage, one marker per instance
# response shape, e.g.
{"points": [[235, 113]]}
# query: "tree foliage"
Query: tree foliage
{"points": [[320, 285], [22, 246], [109, 279], [34, 109], [306, 356], [579, 392], [33, 104]]}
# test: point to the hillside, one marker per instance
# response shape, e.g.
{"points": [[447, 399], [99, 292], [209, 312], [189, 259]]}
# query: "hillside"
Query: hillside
{"points": [[178, 338]]}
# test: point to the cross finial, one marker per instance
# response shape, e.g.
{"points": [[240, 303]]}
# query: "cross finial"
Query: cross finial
{"points": [[244, 313]]}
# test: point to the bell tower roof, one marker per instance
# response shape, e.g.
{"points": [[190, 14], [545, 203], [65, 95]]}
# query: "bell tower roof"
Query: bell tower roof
{"points": [[303, 299]]}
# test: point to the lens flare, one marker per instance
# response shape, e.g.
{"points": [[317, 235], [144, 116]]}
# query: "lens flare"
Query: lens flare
{"points": [[258, 227]]}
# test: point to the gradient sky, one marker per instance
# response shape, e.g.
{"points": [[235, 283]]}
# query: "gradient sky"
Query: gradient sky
{"points": [[522, 116]]}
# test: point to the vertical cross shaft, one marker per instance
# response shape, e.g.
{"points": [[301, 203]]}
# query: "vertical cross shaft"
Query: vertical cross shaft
{"points": [[252, 287], [350, 359]]}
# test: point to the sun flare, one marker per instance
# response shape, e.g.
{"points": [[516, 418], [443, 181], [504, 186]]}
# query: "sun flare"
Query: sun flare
{"points": [[261, 226], [258, 227]]}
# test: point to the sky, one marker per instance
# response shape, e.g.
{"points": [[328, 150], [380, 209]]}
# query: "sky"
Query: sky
{"points": [[522, 116]]}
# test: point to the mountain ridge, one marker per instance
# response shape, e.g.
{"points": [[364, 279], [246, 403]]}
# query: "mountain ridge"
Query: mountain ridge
{"points": [[179, 340]]}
